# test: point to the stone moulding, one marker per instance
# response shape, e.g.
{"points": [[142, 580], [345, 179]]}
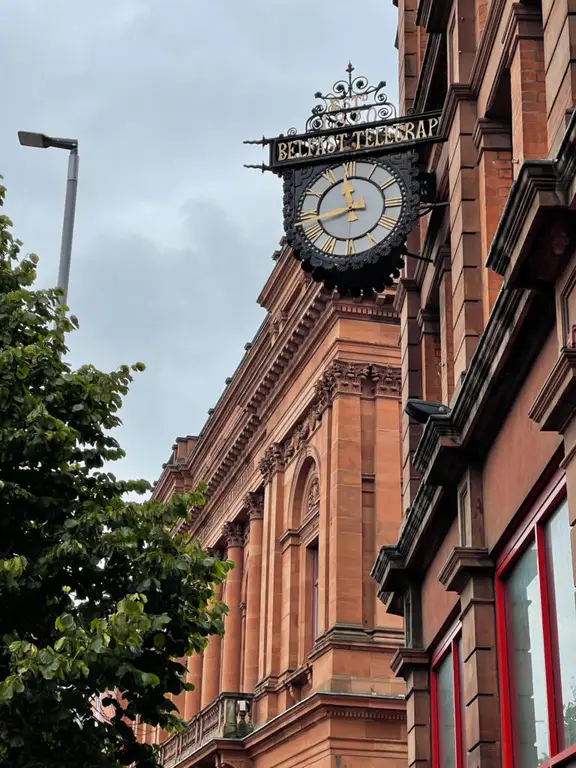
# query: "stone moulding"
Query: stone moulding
{"points": [[341, 378], [556, 402], [462, 564], [542, 187]]}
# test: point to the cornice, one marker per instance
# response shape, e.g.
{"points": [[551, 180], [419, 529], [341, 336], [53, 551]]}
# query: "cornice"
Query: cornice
{"points": [[491, 135], [462, 564], [555, 403], [456, 93], [319, 706], [524, 23], [341, 378], [408, 660], [542, 187]]}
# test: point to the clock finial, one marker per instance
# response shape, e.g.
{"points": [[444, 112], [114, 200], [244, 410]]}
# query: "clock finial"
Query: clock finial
{"points": [[351, 102]]}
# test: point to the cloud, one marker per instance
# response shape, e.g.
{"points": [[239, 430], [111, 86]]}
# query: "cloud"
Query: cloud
{"points": [[173, 236]]}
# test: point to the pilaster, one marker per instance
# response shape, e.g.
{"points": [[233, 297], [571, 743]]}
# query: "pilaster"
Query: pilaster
{"points": [[192, 704], [345, 606], [211, 664], [255, 505], [233, 534]]}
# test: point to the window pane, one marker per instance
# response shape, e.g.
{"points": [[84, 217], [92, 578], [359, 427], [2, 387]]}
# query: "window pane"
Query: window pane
{"points": [[525, 641], [562, 588], [446, 726]]}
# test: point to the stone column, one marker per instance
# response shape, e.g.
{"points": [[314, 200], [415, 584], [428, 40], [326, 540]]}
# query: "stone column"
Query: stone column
{"points": [[211, 665], [192, 703], [255, 503], [232, 650]]}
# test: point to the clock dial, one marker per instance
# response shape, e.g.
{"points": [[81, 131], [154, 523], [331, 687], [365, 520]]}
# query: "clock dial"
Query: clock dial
{"points": [[351, 208]]}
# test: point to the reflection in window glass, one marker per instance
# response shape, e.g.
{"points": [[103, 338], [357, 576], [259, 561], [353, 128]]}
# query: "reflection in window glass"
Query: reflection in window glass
{"points": [[562, 593], [446, 724], [524, 618]]}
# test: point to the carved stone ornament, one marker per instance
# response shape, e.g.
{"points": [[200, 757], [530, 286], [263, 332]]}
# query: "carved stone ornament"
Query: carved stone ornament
{"points": [[233, 534], [272, 461], [313, 495], [388, 380], [254, 501]]}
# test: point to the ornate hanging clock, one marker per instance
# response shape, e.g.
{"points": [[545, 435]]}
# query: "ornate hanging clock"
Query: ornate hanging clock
{"points": [[344, 219], [352, 186]]}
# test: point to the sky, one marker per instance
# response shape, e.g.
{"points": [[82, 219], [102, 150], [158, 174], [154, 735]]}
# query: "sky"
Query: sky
{"points": [[173, 238]]}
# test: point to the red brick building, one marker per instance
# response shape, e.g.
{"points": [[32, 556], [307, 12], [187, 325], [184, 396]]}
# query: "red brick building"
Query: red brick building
{"points": [[290, 454], [483, 571]]}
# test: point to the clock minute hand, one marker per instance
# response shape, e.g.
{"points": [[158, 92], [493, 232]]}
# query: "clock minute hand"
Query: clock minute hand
{"points": [[358, 204]]}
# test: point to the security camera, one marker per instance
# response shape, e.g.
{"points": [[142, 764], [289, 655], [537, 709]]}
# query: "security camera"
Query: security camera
{"points": [[421, 410]]}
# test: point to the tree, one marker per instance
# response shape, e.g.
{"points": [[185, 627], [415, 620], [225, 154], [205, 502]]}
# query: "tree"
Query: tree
{"points": [[96, 593]]}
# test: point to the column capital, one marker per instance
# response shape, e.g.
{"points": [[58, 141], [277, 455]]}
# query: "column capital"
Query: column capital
{"points": [[233, 534], [254, 501], [272, 461]]}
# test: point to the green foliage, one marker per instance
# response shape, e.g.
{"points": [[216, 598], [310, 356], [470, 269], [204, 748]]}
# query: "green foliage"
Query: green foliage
{"points": [[96, 594]]}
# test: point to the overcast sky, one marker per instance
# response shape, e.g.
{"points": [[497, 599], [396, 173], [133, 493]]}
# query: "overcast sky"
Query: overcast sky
{"points": [[173, 238]]}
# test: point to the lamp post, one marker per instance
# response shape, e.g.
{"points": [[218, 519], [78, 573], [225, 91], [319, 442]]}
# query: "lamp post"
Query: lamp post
{"points": [[41, 141]]}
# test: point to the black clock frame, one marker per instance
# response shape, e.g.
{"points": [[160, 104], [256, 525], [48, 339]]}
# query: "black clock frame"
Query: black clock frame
{"points": [[368, 270]]}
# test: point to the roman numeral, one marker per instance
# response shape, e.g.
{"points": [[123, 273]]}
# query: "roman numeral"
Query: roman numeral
{"points": [[387, 184], [313, 193], [329, 245], [387, 222], [330, 176], [372, 171], [306, 216], [314, 232], [350, 250], [393, 202], [350, 168], [371, 238]]}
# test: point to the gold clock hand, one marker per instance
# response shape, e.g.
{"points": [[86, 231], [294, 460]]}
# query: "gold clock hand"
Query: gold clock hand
{"points": [[356, 205]]}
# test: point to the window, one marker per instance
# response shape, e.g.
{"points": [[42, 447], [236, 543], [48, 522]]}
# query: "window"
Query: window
{"points": [[448, 744], [315, 607], [537, 637]]}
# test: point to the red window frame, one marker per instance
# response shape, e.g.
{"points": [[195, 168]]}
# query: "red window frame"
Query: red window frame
{"points": [[450, 647], [532, 529]]}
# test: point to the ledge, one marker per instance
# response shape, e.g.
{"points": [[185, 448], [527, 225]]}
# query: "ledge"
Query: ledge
{"points": [[461, 565], [555, 404], [537, 232], [407, 660]]}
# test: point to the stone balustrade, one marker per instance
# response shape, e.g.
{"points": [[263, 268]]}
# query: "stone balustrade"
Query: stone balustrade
{"points": [[220, 719]]}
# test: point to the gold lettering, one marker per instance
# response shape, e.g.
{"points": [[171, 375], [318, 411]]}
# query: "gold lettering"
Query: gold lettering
{"points": [[371, 238], [409, 131], [421, 131], [393, 202], [292, 150], [432, 126], [356, 136], [313, 193], [301, 147], [370, 138], [307, 216], [389, 135], [372, 171], [398, 135], [350, 250], [341, 139], [282, 153], [387, 184]]}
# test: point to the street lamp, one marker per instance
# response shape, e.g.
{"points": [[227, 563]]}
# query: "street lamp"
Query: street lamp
{"points": [[41, 141]]}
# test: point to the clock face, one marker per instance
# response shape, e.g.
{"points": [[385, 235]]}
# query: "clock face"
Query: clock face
{"points": [[351, 207]]}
